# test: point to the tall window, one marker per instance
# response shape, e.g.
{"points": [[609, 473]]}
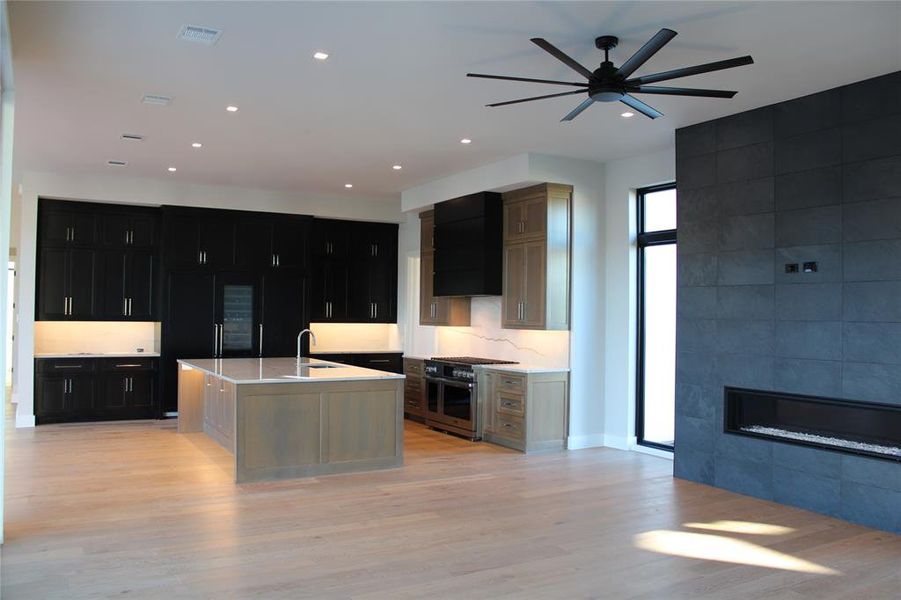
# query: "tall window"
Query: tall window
{"points": [[656, 316]]}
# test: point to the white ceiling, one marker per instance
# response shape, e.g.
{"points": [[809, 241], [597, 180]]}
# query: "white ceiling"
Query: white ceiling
{"points": [[393, 90]]}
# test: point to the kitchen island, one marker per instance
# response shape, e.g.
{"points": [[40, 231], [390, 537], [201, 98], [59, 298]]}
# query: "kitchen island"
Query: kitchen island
{"points": [[282, 417]]}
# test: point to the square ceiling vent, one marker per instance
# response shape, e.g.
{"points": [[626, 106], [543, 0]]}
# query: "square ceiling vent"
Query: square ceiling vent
{"points": [[200, 35]]}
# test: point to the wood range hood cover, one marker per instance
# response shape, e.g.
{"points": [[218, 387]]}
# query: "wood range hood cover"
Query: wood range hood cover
{"points": [[469, 246]]}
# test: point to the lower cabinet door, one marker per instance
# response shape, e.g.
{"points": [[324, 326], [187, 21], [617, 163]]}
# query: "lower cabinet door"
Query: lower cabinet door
{"points": [[142, 392], [81, 397], [115, 390], [52, 398]]}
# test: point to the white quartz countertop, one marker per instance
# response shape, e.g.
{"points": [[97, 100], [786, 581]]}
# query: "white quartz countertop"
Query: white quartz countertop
{"points": [[283, 370], [522, 368], [349, 351], [95, 354]]}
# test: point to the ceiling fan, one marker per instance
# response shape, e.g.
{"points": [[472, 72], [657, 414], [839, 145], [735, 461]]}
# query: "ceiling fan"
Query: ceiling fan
{"points": [[608, 83]]}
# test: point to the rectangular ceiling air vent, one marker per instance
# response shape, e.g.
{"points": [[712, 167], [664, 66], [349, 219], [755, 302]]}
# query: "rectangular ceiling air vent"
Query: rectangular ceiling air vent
{"points": [[132, 136], [117, 163], [201, 35], [157, 100]]}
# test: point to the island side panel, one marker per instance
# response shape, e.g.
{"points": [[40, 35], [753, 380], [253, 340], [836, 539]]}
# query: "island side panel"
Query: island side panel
{"points": [[307, 429], [190, 400]]}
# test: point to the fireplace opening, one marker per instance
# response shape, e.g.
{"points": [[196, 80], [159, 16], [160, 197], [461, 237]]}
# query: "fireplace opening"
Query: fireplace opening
{"points": [[864, 428]]}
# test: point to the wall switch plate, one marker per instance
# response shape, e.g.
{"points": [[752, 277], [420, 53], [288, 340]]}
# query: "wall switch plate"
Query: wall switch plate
{"points": [[791, 267], [810, 267]]}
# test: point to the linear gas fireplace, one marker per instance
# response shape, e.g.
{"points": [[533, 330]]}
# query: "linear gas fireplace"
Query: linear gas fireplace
{"points": [[841, 425]]}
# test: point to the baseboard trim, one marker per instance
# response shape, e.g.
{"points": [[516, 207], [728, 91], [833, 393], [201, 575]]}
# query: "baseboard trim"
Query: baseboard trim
{"points": [[616, 441], [578, 442], [24, 421], [651, 451]]}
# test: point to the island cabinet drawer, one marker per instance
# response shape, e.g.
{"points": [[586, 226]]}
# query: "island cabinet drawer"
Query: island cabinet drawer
{"points": [[509, 427], [128, 364], [509, 404], [511, 382], [65, 365]]}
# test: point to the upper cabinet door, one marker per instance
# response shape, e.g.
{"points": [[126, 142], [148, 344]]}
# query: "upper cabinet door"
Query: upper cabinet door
{"points": [[141, 288], [525, 219], [143, 231], [67, 227], [181, 244], [82, 268], [253, 244], [217, 241], [330, 238], [289, 242], [53, 289], [514, 285], [534, 290], [112, 294]]}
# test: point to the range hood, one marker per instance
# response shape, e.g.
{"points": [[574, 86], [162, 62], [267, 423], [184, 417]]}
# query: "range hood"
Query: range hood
{"points": [[469, 246]]}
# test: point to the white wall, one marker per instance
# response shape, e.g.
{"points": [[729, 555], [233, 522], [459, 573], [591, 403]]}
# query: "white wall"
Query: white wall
{"points": [[623, 178], [583, 347], [153, 192]]}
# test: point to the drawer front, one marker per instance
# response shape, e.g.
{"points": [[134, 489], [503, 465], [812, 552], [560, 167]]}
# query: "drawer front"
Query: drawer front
{"points": [[511, 382], [510, 404], [509, 427], [128, 364], [413, 367], [65, 365]]}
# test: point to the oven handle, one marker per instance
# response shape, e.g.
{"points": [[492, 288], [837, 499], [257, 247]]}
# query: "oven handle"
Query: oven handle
{"points": [[452, 382]]}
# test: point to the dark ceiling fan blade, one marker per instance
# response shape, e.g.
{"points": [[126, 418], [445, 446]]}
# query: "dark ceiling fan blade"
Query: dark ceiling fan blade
{"points": [[504, 77], [561, 56], [537, 98], [696, 70], [653, 45], [674, 91], [640, 106], [578, 110]]}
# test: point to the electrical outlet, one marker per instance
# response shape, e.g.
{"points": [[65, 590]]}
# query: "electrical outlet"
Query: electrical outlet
{"points": [[810, 267], [791, 267]]}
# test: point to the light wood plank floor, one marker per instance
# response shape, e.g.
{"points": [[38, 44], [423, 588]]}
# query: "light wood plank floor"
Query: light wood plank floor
{"points": [[135, 510]]}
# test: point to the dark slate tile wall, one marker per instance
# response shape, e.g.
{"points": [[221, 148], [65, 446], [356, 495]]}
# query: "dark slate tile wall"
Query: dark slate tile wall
{"points": [[813, 179]]}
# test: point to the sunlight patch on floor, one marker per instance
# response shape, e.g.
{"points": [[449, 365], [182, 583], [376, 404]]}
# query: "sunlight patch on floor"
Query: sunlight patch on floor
{"points": [[748, 527], [705, 546]]}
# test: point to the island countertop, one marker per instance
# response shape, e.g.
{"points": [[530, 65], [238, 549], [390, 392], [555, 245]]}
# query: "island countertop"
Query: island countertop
{"points": [[283, 370]]}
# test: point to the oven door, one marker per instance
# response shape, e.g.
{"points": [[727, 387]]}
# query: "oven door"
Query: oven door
{"points": [[452, 403]]}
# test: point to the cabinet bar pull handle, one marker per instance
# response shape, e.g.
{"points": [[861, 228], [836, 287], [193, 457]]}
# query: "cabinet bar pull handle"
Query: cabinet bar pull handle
{"points": [[131, 384], [124, 306], [67, 366], [261, 339], [129, 307], [215, 339], [221, 339], [200, 257], [278, 260], [129, 365]]}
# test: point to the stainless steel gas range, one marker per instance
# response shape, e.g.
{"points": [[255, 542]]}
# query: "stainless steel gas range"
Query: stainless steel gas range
{"points": [[452, 398]]}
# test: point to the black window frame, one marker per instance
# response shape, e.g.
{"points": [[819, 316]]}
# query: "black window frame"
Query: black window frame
{"points": [[646, 240]]}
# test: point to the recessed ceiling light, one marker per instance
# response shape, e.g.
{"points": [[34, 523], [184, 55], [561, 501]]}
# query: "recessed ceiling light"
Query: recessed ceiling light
{"points": [[466, 141], [348, 185], [172, 169], [197, 145], [628, 114], [231, 108], [320, 55], [117, 163], [397, 167]]}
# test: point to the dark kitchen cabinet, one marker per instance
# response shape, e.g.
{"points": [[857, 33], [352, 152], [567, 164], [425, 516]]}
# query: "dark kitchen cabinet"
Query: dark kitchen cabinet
{"points": [[331, 238], [66, 224], [95, 389], [128, 286], [107, 270], [66, 284], [131, 229], [329, 293], [283, 314], [198, 238], [271, 241], [380, 361], [354, 275]]}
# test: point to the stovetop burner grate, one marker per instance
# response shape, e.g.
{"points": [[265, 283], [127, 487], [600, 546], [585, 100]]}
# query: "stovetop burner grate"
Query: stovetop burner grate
{"points": [[473, 360]]}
